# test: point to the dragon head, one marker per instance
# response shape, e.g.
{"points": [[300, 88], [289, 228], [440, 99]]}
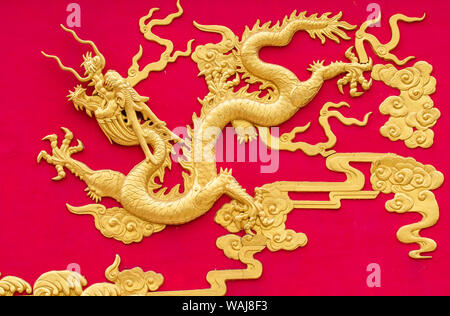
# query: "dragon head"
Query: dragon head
{"points": [[119, 90]]}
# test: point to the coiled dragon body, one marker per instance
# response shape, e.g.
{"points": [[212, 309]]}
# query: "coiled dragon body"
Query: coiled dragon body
{"points": [[120, 112]]}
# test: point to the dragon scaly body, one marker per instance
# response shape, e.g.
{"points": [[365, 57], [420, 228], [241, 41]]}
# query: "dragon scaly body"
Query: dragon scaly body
{"points": [[119, 111]]}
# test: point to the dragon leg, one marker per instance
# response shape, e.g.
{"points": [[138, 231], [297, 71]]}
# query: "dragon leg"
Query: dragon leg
{"points": [[246, 131], [101, 183], [353, 69], [248, 207]]}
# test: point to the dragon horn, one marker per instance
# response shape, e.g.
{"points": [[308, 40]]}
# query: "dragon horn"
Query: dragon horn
{"points": [[91, 43], [226, 33], [61, 65]]}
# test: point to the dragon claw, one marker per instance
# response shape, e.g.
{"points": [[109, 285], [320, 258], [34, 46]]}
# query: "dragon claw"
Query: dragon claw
{"points": [[246, 133], [59, 177], [67, 138], [41, 156], [355, 76], [356, 94], [60, 155], [50, 137], [93, 195], [68, 132], [76, 149], [246, 215], [366, 85], [341, 88]]}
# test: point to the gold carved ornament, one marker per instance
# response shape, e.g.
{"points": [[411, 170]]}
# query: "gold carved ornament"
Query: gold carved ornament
{"points": [[146, 208]]}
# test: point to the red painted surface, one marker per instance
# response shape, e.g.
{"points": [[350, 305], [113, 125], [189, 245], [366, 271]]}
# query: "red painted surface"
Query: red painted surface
{"points": [[38, 234]]}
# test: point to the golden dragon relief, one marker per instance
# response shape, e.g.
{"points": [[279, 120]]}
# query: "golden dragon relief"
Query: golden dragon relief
{"points": [[229, 68]]}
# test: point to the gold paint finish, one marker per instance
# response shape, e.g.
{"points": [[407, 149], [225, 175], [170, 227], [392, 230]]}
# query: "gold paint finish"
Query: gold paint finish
{"points": [[411, 182], [285, 141], [254, 222], [134, 74], [10, 286], [70, 283], [383, 50], [412, 113]]}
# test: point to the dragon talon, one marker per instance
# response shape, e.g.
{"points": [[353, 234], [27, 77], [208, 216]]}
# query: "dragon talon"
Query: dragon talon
{"points": [[65, 130], [356, 94], [68, 137], [68, 133], [57, 178], [366, 85], [50, 138], [41, 156], [76, 149], [60, 156]]}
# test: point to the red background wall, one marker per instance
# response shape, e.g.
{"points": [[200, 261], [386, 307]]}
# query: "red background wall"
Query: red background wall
{"points": [[38, 234]]}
